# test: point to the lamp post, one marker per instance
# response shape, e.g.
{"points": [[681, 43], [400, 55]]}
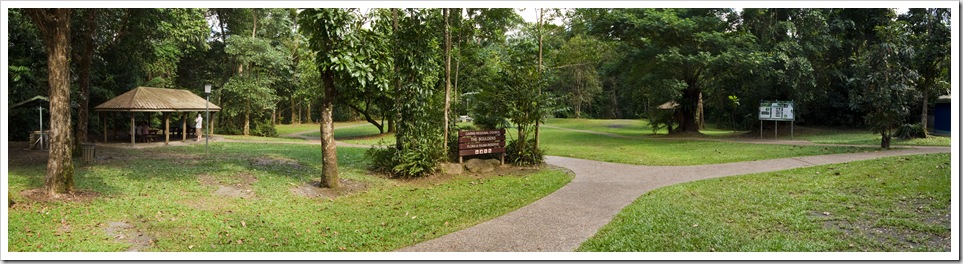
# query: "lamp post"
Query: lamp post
{"points": [[207, 111]]}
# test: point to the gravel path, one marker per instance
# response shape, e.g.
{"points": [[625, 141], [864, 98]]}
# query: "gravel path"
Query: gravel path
{"points": [[564, 219]]}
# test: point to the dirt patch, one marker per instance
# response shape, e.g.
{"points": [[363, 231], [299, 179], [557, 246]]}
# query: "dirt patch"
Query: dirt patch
{"points": [[20, 154], [238, 185], [231, 191], [275, 161], [313, 189], [78, 196], [124, 232]]}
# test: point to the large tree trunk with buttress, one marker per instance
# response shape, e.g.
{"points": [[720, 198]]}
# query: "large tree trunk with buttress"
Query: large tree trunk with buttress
{"points": [[329, 152], [688, 108], [54, 25]]}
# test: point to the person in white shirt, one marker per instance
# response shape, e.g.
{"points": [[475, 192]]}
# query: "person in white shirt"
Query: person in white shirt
{"points": [[197, 126]]}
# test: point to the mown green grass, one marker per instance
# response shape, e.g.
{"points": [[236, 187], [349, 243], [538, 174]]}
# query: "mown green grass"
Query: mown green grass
{"points": [[286, 129], [643, 151], [254, 138], [624, 127], [889, 204], [862, 137], [158, 191]]}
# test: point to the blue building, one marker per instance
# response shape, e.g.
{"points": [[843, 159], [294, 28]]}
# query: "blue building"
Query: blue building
{"points": [[942, 115]]}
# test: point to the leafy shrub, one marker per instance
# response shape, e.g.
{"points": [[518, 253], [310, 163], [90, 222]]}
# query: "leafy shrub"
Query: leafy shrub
{"points": [[909, 131], [416, 162], [528, 156], [264, 128]]}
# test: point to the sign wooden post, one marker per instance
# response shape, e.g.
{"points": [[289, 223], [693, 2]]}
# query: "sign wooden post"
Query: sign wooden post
{"points": [[480, 142]]}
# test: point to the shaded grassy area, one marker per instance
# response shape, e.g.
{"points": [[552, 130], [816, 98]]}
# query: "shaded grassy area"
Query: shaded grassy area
{"points": [[298, 128], [254, 138], [364, 134], [171, 194], [669, 152], [889, 204], [863, 137], [624, 127]]}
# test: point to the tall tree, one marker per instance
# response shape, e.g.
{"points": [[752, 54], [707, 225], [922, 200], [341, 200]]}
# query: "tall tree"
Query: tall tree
{"points": [[930, 40], [447, 80], [54, 26], [334, 35], [84, 56], [885, 81]]}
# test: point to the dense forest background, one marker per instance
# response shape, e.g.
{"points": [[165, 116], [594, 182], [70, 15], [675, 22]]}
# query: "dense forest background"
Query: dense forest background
{"points": [[839, 65]]}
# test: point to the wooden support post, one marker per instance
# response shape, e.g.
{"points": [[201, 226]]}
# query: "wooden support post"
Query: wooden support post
{"points": [[132, 134], [105, 126], [503, 158], [167, 128], [184, 127]]}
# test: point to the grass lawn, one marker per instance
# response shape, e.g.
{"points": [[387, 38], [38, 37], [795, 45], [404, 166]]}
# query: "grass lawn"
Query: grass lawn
{"points": [[298, 128], [254, 138], [363, 134], [643, 151], [889, 204], [862, 137], [624, 127], [177, 197]]}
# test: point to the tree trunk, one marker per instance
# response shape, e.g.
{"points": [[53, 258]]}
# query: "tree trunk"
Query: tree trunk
{"points": [[399, 142], [887, 137], [88, 52], [541, 13], [447, 82], [309, 120], [391, 124], [54, 26], [925, 116], [247, 119], [700, 113], [688, 108], [329, 152]]}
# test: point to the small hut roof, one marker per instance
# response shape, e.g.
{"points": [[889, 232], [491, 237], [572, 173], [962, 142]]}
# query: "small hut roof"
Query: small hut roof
{"points": [[668, 105], [149, 99]]}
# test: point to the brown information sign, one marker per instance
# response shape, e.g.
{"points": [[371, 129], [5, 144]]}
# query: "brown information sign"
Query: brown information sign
{"points": [[479, 142]]}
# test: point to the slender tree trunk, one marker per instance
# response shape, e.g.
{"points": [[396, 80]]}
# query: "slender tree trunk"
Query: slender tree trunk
{"points": [[54, 26], [292, 110], [399, 141], [537, 121], [329, 152], [309, 120], [247, 119], [85, 60], [924, 117], [701, 114], [447, 81]]}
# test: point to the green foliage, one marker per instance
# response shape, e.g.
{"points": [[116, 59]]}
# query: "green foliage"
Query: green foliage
{"points": [[910, 131], [885, 81], [527, 156]]}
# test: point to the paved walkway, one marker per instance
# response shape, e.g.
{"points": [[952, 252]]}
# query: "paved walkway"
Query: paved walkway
{"points": [[564, 219]]}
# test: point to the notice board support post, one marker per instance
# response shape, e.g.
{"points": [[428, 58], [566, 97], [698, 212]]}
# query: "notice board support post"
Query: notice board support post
{"points": [[776, 130]]}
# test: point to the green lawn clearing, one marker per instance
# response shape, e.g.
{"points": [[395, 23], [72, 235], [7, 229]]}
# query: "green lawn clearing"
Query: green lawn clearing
{"points": [[862, 137], [643, 151], [269, 139], [248, 197], [624, 127], [889, 204], [288, 129]]}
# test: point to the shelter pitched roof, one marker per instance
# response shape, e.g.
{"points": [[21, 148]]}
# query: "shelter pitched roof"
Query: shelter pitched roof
{"points": [[149, 99]]}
